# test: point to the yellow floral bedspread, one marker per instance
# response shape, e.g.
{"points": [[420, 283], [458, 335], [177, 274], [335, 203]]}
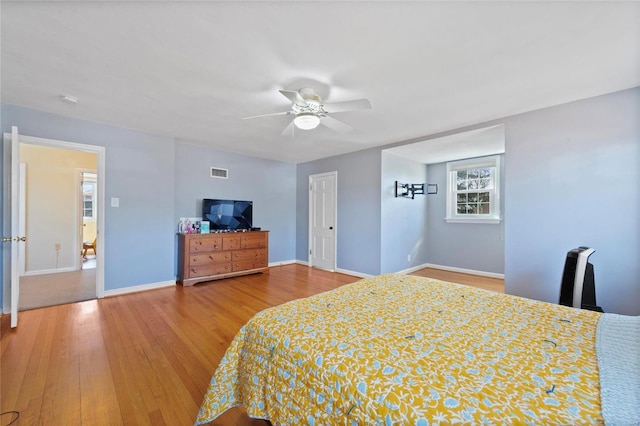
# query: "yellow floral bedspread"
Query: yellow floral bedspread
{"points": [[407, 350]]}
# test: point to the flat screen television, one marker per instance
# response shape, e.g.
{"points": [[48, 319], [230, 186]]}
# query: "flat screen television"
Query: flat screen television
{"points": [[228, 215]]}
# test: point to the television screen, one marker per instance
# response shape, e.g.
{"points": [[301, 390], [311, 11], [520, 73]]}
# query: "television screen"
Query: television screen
{"points": [[228, 215]]}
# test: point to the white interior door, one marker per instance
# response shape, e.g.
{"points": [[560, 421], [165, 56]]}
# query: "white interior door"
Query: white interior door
{"points": [[322, 220], [12, 225]]}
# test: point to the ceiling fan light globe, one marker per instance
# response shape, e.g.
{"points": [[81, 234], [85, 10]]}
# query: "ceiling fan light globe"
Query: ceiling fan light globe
{"points": [[306, 121]]}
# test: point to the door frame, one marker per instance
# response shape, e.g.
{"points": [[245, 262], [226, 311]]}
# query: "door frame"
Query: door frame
{"points": [[333, 174], [80, 240], [100, 171]]}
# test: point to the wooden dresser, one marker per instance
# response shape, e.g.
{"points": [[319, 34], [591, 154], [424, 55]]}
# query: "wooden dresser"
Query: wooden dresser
{"points": [[206, 257]]}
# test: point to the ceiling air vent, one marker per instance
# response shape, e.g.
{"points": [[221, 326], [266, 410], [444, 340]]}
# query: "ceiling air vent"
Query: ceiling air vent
{"points": [[217, 172]]}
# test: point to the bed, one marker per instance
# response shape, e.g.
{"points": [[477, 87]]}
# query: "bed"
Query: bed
{"points": [[398, 349]]}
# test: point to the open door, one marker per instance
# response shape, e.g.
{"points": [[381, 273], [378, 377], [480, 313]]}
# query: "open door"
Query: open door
{"points": [[11, 225]]}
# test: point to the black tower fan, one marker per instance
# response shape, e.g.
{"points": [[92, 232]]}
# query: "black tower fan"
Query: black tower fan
{"points": [[578, 286]]}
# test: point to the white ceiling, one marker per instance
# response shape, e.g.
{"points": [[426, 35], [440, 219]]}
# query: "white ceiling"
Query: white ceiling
{"points": [[192, 70], [470, 144]]}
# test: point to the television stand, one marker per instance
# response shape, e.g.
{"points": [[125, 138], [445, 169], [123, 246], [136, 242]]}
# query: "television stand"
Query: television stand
{"points": [[208, 257]]}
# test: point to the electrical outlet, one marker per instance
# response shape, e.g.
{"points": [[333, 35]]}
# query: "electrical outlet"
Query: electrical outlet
{"points": [[408, 258], [56, 246]]}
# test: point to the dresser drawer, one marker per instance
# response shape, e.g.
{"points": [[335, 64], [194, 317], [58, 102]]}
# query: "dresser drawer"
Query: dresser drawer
{"points": [[205, 244], [250, 240], [209, 258], [216, 269], [240, 265], [249, 254], [231, 242]]}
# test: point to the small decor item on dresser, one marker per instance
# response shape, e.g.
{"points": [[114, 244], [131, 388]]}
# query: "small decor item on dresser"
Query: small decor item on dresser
{"points": [[189, 225], [204, 227]]}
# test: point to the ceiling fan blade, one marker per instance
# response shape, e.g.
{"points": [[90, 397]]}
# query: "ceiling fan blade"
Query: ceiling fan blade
{"points": [[288, 129], [354, 105], [294, 97], [335, 125], [268, 115]]}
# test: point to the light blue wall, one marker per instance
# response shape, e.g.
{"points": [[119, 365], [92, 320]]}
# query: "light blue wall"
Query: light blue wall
{"points": [[159, 180], [271, 185], [572, 180], [358, 227], [403, 227], [140, 171], [479, 247]]}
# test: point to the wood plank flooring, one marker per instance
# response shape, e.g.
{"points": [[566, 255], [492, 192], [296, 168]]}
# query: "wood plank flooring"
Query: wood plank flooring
{"points": [[143, 358], [487, 283]]}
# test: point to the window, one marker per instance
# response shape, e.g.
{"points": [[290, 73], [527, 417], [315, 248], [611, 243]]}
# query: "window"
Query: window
{"points": [[473, 190], [89, 196]]}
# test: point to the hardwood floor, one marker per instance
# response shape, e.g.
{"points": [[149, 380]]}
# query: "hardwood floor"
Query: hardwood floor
{"points": [[488, 283], [139, 359]]}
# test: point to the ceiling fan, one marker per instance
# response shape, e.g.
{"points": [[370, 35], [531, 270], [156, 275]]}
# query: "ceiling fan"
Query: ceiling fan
{"points": [[310, 111]]}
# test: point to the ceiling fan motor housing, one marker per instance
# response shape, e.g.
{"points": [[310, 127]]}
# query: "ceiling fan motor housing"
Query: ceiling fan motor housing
{"points": [[313, 102]]}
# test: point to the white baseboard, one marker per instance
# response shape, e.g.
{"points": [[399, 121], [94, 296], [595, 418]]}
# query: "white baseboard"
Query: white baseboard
{"points": [[404, 271], [49, 271], [452, 269], [339, 270], [412, 269], [137, 288], [282, 263], [354, 273]]}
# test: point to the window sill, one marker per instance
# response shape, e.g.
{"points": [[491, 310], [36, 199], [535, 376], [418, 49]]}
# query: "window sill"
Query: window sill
{"points": [[488, 221]]}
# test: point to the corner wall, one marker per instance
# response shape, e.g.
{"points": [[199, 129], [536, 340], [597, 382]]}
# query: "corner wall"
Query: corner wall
{"points": [[53, 202], [271, 185], [139, 240], [473, 246], [572, 179], [358, 227], [403, 220]]}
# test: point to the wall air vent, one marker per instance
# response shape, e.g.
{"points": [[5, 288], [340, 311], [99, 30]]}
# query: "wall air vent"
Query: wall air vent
{"points": [[219, 173]]}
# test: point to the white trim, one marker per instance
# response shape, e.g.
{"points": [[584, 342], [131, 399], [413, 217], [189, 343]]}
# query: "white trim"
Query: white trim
{"points": [[284, 262], [137, 288], [494, 216], [100, 152], [471, 220], [50, 271], [353, 273], [22, 212], [338, 270], [452, 269], [80, 213], [412, 269]]}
